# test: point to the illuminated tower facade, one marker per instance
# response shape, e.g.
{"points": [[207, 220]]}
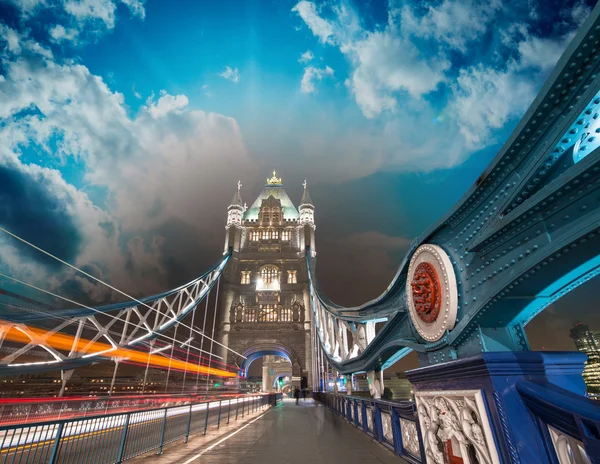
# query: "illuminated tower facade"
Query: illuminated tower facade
{"points": [[264, 305]]}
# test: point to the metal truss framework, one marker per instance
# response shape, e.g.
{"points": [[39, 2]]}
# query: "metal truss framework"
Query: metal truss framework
{"points": [[123, 325], [526, 233]]}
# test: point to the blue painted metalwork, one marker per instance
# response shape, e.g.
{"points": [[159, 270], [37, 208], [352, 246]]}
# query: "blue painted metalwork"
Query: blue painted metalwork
{"points": [[393, 424], [497, 376], [577, 418], [526, 233]]}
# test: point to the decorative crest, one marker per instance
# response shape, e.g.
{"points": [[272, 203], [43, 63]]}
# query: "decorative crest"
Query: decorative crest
{"points": [[239, 185], [304, 184], [274, 180]]}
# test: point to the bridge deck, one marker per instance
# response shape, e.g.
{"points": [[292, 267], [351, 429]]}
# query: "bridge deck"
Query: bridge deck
{"points": [[308, 433]]}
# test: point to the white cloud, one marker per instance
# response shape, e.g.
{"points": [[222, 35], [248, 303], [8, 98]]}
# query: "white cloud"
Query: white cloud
{"points": [[92, 10], [136, 7], [91, 16], [319, 26], [486, 98], [166, 104], [163, 168], [385, 63], [580, 12], [312, 74], [136, 94], [231, 74], [395, 66], [58, 33], [206, 90], [452, 23], [306, 57]]}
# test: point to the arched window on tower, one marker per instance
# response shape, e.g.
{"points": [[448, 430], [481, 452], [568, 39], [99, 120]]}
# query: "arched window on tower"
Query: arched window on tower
{"points": [[269, 274], [285, 235], [268, 279]]}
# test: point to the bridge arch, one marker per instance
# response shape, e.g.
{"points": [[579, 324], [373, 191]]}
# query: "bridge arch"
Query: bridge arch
{"points": [[257, 351]]}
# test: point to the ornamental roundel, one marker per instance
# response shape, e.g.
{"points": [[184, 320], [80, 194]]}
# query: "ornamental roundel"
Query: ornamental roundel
{"points": [[431, 292]]}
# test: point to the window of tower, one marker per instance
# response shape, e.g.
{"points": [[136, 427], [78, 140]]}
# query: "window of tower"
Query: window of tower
{"points": [[269, 274], [292, 278], [246, 277], [285, 235], [254, 236]]}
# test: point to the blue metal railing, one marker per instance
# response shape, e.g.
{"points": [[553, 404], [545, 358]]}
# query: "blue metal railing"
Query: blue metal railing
{"points": [[393, 424], [568, 423], [114, 438]]}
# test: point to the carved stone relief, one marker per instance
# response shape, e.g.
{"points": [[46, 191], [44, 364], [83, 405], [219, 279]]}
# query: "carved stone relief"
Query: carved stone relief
{"points": [[455, 423], [386, 423], [410, 437]]}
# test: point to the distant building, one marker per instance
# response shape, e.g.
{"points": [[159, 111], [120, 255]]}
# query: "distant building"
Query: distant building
{"points": [[588, 343]]}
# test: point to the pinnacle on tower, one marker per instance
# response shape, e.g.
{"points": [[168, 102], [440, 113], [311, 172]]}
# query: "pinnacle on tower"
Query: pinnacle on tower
{"points": [[236, 209], [306, 200], [237, 197]]}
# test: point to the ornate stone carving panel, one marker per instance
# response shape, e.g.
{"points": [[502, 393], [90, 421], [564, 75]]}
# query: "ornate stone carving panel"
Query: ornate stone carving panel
{"points": [[568, 449], [369, 419], [455, 423], [386, 424], [410, 437]]}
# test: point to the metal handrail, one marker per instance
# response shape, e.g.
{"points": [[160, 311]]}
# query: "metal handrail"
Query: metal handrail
{"points": [[568, 422], [116, 437], [393, 424]]}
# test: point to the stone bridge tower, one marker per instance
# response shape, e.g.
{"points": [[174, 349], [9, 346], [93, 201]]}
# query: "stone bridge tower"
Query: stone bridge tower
{"points": [[264, 306]]}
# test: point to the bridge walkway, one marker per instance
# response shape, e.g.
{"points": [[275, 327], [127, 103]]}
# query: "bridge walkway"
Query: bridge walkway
{"points": [[285, 434]]}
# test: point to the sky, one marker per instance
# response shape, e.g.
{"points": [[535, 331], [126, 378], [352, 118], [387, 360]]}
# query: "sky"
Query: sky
{"points": [[125, 126]]}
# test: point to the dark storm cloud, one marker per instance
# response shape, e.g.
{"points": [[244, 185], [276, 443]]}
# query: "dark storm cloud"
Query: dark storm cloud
{"points": [[29, 209]]}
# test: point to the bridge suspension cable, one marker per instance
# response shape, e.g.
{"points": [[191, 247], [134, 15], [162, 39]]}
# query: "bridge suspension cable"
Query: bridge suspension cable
{"points": [[109, 286], [51, 315], [94, 309], [114, 347]]}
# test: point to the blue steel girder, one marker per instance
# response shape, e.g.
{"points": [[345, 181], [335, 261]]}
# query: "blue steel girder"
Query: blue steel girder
{"points": [[122, 325], [525, 233]]}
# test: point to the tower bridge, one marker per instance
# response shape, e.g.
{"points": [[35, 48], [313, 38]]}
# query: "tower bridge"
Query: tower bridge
{"points": [[525, 234]]}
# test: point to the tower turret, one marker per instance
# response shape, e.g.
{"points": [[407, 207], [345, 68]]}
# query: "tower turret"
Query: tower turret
{"points": [[306, 209], [235, 213], [307, 218], [235, 210]]}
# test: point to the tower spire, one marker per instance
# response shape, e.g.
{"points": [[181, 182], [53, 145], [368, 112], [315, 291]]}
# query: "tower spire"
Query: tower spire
{"points": [[306, 200], [235, 210], [237, 198]]}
